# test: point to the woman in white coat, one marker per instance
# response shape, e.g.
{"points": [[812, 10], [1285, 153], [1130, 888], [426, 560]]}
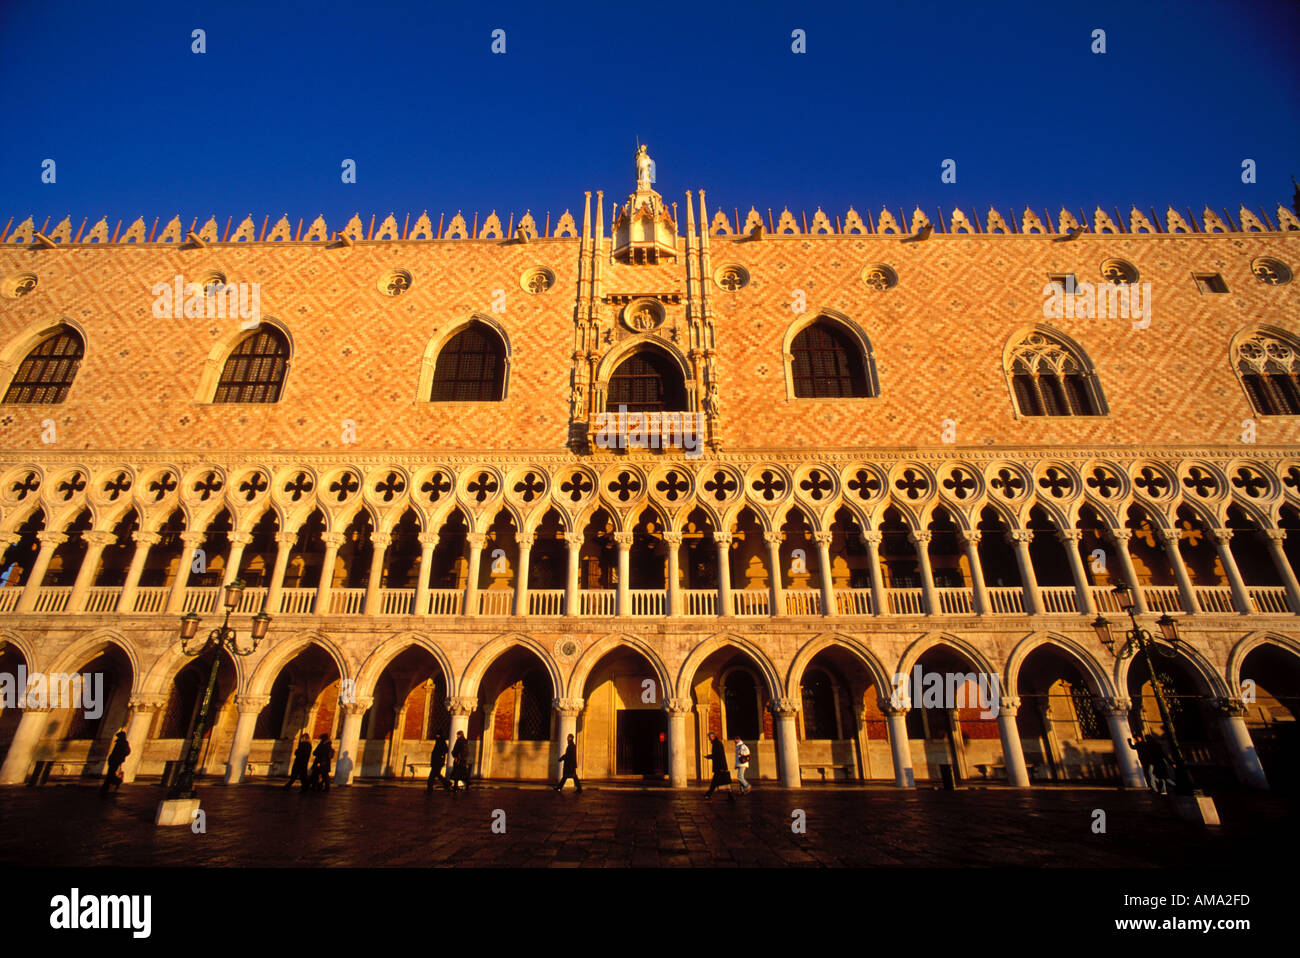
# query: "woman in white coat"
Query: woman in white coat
{"points": [[742, 763]]}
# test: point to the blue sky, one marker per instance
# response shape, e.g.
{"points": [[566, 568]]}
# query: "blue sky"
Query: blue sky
{"points": [[140, 126]]}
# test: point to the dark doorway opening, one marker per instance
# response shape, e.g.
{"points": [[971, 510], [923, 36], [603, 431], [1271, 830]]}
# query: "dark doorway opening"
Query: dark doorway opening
{"points": [[642, 742]]}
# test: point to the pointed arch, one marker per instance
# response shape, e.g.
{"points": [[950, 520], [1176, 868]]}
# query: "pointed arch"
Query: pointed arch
{"points": [[383, 654], [1249, 643], [835, 640], [1088, 664], [469, 361], [931, 640], [828, 356], [602, 647], [279, 655], [1266, 361], [489, 653], [39, 367], [248, 365], [1049, 374], [686, 674], [646, 374]]}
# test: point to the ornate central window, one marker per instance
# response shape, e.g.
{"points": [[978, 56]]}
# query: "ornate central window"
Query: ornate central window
{"points": [[647, 381]]}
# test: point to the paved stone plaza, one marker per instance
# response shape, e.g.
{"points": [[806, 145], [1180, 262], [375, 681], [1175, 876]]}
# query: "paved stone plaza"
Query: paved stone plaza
{"points": [[392, 825]]}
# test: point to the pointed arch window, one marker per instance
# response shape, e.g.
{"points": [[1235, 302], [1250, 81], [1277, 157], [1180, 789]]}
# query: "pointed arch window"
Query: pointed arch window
{"points": [[471, 367], [647, 381], [1269, 367], [255, 369], [46, 373], [828, 364], [1051, 378]]}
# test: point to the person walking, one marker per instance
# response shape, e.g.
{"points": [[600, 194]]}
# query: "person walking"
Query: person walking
{"points": [[437, 761], [569, 766], [460, 762], [118, 754], [721, 775], [301, 762], [320, 768], [742, 763]]}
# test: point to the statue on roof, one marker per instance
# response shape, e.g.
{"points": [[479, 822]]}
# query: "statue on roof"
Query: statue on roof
{"points": [[645, 168]]}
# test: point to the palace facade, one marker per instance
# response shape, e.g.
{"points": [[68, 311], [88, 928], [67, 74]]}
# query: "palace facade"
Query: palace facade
{"points": [[676, 471]]}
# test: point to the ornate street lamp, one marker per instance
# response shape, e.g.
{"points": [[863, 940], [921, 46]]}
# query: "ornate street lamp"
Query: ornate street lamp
{"points": [[1140, 640], [222, 637]]}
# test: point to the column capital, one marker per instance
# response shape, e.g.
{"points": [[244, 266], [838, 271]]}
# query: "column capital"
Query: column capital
{"points": [[773, 538], [251, 704], [892, 707], [1069, 535], [461, 704], [872, 537], [146, 703], [970, 536], [1171, 536], [1120, 534], [678, 706], [333, 539], [9, 538], [823, 538], [1231, 706], [1017, 536], [1008, 705], [575, 539], [100, 538], [52, 538], [193, 538], [673, 538], [1277, 535], [722, 538], [476, 540], [624, 540], [570, 708], [239, 538], [357, 706], [289, 539], [1222, 536], [378, 539], [919, 536], [525, 540], [146, 538], [1117, 706], [783, 708], [429, 539]]}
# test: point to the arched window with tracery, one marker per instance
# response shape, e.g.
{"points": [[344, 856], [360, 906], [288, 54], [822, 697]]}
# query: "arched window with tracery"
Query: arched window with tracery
{"points": [[1269, 367], [46, 373], [647, 381], [471, 367], [255, 369], [828, 363], [1051, 378]]}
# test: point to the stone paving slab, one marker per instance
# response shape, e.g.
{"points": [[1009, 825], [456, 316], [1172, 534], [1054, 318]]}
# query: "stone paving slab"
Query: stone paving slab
{"points": [[400, 826]]}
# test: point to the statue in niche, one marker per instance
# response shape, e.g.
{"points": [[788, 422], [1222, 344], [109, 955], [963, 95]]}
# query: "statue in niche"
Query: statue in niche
{"points": [[712, 404], [577, 398]]}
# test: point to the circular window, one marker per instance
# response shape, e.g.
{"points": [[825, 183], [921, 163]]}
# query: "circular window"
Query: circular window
{"points": [[879, 276], [19, 285], [394, 283], [732, 277], [1274, 272], [537, 280], [1118, 271], [212, 283]]}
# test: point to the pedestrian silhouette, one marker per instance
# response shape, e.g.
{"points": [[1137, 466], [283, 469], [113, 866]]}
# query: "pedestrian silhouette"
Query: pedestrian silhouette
{"points": [[320, 768], [742, 763], [460, 762], [721, 774], [569, 766], [436, 763], [301, 762], [113, 774]]}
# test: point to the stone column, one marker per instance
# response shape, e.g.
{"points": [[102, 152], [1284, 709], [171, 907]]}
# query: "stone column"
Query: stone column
{"points": [[379, 542], [1069, 539], [1013, 754], [787, 741], [476, 542], [249, 707], [899, 748], [332, 542], [723, 542], [879, 604], [1019, 539], [428, 542], [1275, 538], [673, 540], [49, 542], [1121, 539], [1130, 769], [140, 715], [970, 538], [1245, 760], [95, 544], [574, 541], [235, 558], [823, 540], [678, 710], [524, 541], [773, 540], [350, 738], [192, 541], [624, 540], [921, 540], [1240, 596], [284, 543], [22, 750], [1185, 590], [566, 724], [144, 541], [460, 708]]}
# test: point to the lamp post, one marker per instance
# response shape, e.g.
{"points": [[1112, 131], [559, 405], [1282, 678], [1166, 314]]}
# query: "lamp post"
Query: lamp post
{"points": [[222, 637], [1140, 640]]}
